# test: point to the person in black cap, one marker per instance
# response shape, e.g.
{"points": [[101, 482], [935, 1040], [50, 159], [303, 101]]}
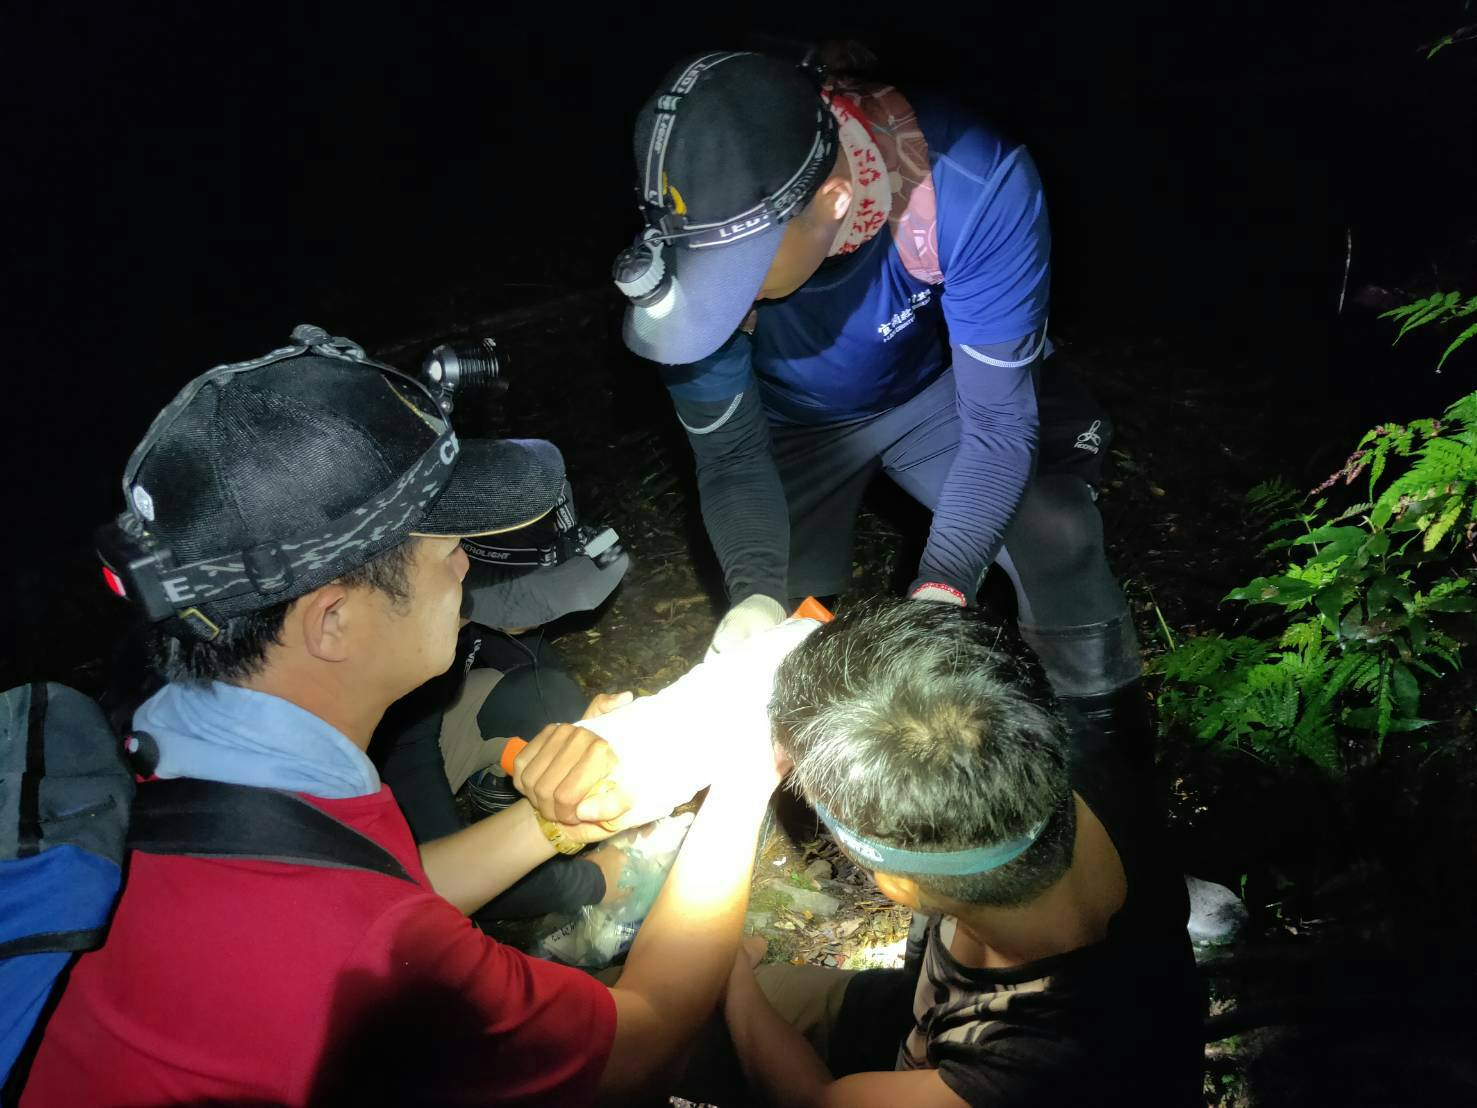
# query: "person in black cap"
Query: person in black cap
{"points": [[293, 532], [839, 281]]}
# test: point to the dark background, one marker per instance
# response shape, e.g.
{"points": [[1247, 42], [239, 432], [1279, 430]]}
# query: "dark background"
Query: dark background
{"points": [[182, 185]]}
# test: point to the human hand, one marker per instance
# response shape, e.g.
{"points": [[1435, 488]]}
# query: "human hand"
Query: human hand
{"points": [[741, 978], [565, 774], [611, 861], [752, 949], [748, 617], [607, 702]]}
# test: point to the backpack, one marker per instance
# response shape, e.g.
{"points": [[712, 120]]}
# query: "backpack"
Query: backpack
{"points": [[69, 811]]}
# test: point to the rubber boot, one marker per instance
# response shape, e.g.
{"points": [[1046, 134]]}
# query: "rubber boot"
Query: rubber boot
{"points": [[1094, 671], [1116, 721]]}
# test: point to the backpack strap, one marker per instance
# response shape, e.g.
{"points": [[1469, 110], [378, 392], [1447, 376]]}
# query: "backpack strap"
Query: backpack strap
{"points": [[28, 830], [211, 819]]}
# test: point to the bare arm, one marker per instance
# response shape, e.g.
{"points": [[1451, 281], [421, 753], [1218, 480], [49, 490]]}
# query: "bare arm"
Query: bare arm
{"points": [[776, 1058], [684, 950], [475, 864], [779, 1062]]}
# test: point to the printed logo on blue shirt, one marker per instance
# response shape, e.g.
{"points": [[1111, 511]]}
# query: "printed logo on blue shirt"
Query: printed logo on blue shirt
{"points": [[904, 318]]}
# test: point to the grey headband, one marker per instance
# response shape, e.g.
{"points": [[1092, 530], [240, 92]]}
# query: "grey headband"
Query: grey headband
{"points": [[938, 863]]}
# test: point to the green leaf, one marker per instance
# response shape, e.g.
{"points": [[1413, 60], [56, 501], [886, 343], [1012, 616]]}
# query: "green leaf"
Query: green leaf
{"points": [[1402, 595], [1444, 522], [1418, 630], [1385, 706], [1316, 742], [1375, 546], [1426, 667], [1380, 592], [1273, 590], [1410, 724], [1353, 626], [1344, 538], [1379, 516], [1440, 44], [1330, 602], [1302, 635], [1463, 337], [1406, 690], [1451, 604]]}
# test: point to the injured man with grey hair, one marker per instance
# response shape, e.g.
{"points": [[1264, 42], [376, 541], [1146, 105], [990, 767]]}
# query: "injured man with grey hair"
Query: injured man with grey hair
{"points": [[1054, 966]]}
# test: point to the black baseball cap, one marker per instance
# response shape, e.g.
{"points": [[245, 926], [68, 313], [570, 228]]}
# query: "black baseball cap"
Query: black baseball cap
{"points": [[264, 480], [729, 148]]}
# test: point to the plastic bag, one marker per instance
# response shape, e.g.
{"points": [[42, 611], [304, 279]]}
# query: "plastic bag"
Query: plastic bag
{"points": [[599, 933]]}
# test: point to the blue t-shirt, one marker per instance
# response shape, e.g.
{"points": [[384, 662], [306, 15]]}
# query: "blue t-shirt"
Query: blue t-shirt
{"points": [[863, 334]]}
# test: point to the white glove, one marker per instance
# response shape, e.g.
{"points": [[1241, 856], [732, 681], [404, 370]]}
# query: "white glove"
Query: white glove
{"points": [[748, 617]]}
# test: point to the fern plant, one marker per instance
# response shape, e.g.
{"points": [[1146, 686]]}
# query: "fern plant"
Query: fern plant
{"points": [[1439, 307], [1363, 610]]}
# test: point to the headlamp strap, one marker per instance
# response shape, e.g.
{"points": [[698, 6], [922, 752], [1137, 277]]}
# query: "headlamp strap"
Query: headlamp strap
{"points": [[272, 567], [940, 863], [654, 191], [655, 205]]}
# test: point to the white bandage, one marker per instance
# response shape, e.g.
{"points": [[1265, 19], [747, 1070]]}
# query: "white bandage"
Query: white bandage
{"points": [[684, 737]]}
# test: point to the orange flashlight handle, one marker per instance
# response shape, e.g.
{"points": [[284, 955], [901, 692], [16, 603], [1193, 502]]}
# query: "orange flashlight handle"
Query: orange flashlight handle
{"points": [[509, 753], [811, 608]]}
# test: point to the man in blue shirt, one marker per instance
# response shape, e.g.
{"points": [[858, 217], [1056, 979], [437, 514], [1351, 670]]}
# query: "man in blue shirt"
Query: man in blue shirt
{"points": [[838, 281]]}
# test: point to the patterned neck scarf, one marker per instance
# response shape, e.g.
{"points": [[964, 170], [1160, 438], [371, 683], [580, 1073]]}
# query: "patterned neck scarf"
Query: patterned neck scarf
{"points": [[872, 190]]}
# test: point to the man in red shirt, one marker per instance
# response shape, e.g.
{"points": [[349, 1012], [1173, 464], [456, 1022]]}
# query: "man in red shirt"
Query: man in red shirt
{"points": [[293, 530]]}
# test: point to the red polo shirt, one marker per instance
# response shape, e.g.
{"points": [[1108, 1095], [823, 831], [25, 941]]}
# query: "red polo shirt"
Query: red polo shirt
{"points": [[263, 982]]}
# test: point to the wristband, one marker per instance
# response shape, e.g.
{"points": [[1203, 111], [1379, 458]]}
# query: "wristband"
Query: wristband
{"points": [[554, 832], [939, 593]]}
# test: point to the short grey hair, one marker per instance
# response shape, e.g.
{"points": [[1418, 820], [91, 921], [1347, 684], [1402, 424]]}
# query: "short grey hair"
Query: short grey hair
{"points": [[911, 725]]}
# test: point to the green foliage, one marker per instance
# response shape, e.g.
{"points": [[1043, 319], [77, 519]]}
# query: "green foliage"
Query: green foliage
{"points": [[1439, 307], [1272, 499], [1461, 34], [1363, 606]]}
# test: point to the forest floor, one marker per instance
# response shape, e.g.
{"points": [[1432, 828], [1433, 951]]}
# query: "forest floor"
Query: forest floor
{"points": [[1351, 907], [1352, 984]]}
